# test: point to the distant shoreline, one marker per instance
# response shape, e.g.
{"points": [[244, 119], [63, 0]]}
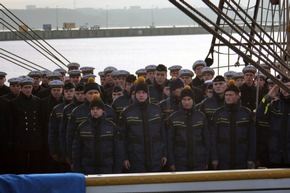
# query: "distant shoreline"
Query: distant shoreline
{"points": [[100, 33]]}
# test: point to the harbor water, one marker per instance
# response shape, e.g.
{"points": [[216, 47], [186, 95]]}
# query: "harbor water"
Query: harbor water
{"points": [[127, 53]]}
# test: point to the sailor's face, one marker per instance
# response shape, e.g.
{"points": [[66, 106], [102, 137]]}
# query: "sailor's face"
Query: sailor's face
{"points": [[96, 112], [27, 90], [141, 96], [187, 102], [231, 97], [2, 81], [186, 79], [284, 92]]}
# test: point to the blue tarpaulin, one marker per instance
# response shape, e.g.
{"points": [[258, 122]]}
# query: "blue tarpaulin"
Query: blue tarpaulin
{"points": [[43, 183]]}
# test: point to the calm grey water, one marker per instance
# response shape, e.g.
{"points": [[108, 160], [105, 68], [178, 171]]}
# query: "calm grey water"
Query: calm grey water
{"points": [[127, 53]]}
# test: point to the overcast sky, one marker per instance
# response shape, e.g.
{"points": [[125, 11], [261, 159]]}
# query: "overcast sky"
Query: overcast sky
{"points": [[112, 4]]}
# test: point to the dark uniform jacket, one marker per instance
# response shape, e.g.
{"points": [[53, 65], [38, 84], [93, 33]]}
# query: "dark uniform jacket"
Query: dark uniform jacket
{"points": [[143, 133], [27, 126], [156, 92], [188, 140], [64, 122], [9, 96], [168, 106], [209, 105], [4, 90], [120, 104], [248, 96], [277, 114], [54, 130], [97, 147], [197, 82], [79, 115], [233, 137], [47, 104], [5, 125]]}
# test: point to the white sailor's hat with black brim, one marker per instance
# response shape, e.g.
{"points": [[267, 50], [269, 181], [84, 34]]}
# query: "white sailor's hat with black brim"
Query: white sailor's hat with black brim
{"points": [[87, 69], [121, 73], [229, 74], [60, 70], [238, 75], [174, 67], [260, 75], [141, 72], [13, 81], [249, 69], [207, 70], [109, 69], [150, 67], [3, 74], [86, 77], [53, 75], [101, 73], [56, 84], [74, 73], [35, 74], [73, 65], [45, 72], [186, 72], [198, 63], [26, 81]]}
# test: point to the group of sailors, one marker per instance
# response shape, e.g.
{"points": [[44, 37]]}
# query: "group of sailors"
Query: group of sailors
{"points": [[142, 122]]}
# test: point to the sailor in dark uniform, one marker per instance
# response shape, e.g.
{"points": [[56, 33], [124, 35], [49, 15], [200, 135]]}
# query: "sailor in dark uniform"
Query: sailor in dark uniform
{"points": [[229, 75], [3, 88], [44, 82], [109, 84], [54, 128], [27, 130], [174, 71], [233, 134], [171, 104], [87, 70], [73, 66], [77, 100], [238, 77], [51, 76], [188, 137], [75, 76], [248, 89], [80, 114], [121, 76], [207, 75], [156, 88], [143, 133], [36, 75], [97, 147], [141, 72], [47, 104], [15, 88], [186, 76], [102, 78], [150, 75], [5, 137], [196, 67], [62, 72]]}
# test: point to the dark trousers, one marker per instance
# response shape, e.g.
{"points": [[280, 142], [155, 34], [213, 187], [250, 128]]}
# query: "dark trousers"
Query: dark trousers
{"points": [[26, 162]]}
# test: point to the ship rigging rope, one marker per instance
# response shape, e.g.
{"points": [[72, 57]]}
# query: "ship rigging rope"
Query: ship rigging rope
{"points": [[206, 24], [240, 31], [23, 37], [23, 60], [43, 46], [253, 41]]}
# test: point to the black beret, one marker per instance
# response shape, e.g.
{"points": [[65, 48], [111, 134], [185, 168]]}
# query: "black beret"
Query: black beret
{"points": [[161, 67], [68, 86]]}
